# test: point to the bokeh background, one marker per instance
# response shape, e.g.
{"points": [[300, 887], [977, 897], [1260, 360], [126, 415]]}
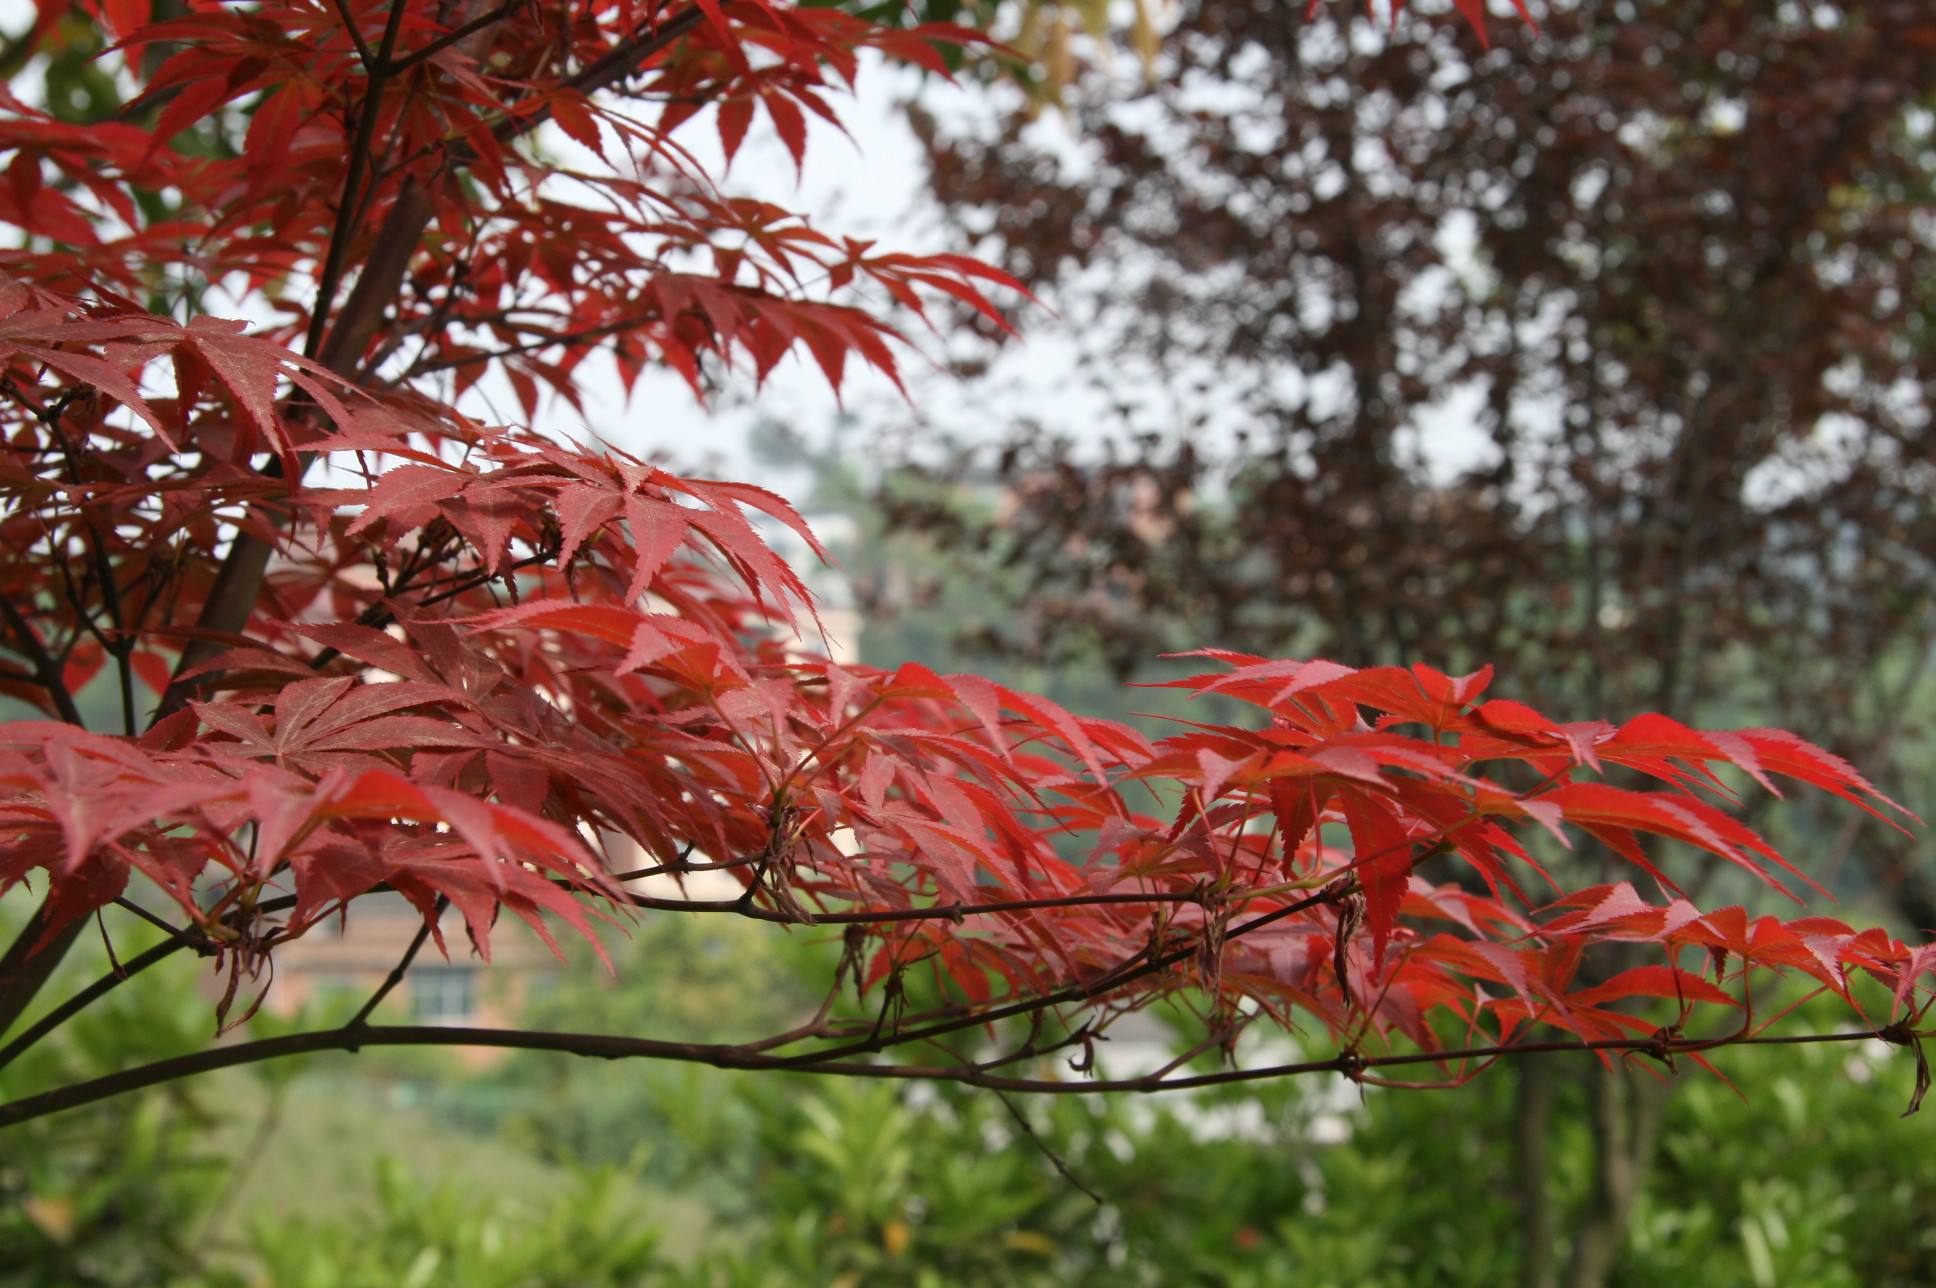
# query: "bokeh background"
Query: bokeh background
{"points": [[1603, 355]]}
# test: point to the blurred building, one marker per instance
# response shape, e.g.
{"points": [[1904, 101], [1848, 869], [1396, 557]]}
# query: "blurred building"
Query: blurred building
{"points": [[345, 960]]}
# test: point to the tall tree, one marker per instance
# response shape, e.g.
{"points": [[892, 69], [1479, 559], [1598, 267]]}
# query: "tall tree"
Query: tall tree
{"points": [[1672, 267]]}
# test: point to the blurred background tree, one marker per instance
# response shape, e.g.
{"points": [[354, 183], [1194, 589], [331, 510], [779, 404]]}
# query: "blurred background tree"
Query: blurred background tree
{"points": [[1605, 354]]}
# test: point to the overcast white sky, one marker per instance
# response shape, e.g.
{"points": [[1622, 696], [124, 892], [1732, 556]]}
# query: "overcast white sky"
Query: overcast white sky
{"points": [[863, 186], [868, 183]]}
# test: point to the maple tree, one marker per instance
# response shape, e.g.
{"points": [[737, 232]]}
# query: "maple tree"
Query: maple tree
{"points": [[360, 641]]}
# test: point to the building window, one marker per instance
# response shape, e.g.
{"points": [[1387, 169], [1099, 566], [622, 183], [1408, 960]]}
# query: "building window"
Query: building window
{"points": [[443, 994]]}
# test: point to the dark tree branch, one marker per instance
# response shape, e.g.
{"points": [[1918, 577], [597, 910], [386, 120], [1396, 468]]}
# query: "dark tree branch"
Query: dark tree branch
{"points": [[363, 50], [939, 912], [449, 38], [622, 60], [239, 580], [29, 961], [1143, 965], [1135, 967], [80, 1001], [545, 340], [352, 196], [1055, 1159], [189, 939], [402, 968], [46, 673], [1350, 1064], [74, 1005]]}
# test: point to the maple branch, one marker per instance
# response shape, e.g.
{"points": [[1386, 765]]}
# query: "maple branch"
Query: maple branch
{"points": [[682, 867], [936, 912], [238, 583], [67, 1010], [46, 673], [1144, 964], [1055, 1159], [380, 615], [239, 580], [363, 50], [617, 63], [839, 1060], [28, 960], [113, 979], [122, 649], [1348, 1063], [189, 939], [121, 646], [545, 340], [397, 972], [1135, 967], [449, 38], [352, 195]]}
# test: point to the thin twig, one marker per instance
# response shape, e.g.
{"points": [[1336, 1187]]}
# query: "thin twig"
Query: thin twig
{"points": [[352, 195], [547, 340], [189, 939], [80, 1001], [107, 983], [1035, 1138], [363, 50], [936, 912], [114, 959], [46, 673], [1149, 963], [451, 37], [401, 969]]}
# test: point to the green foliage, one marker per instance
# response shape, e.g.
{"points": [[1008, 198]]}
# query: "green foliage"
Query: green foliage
{"points": [[1811, 1179], [113, 1196], [434, 1234]]}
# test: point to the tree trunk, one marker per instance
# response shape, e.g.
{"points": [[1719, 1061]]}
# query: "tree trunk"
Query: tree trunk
{"points": [[1626, 1110], [1537, 1090]]}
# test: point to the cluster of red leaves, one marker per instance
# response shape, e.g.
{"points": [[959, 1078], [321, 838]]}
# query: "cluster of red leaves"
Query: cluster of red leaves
{"points": [[488, 667]]}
